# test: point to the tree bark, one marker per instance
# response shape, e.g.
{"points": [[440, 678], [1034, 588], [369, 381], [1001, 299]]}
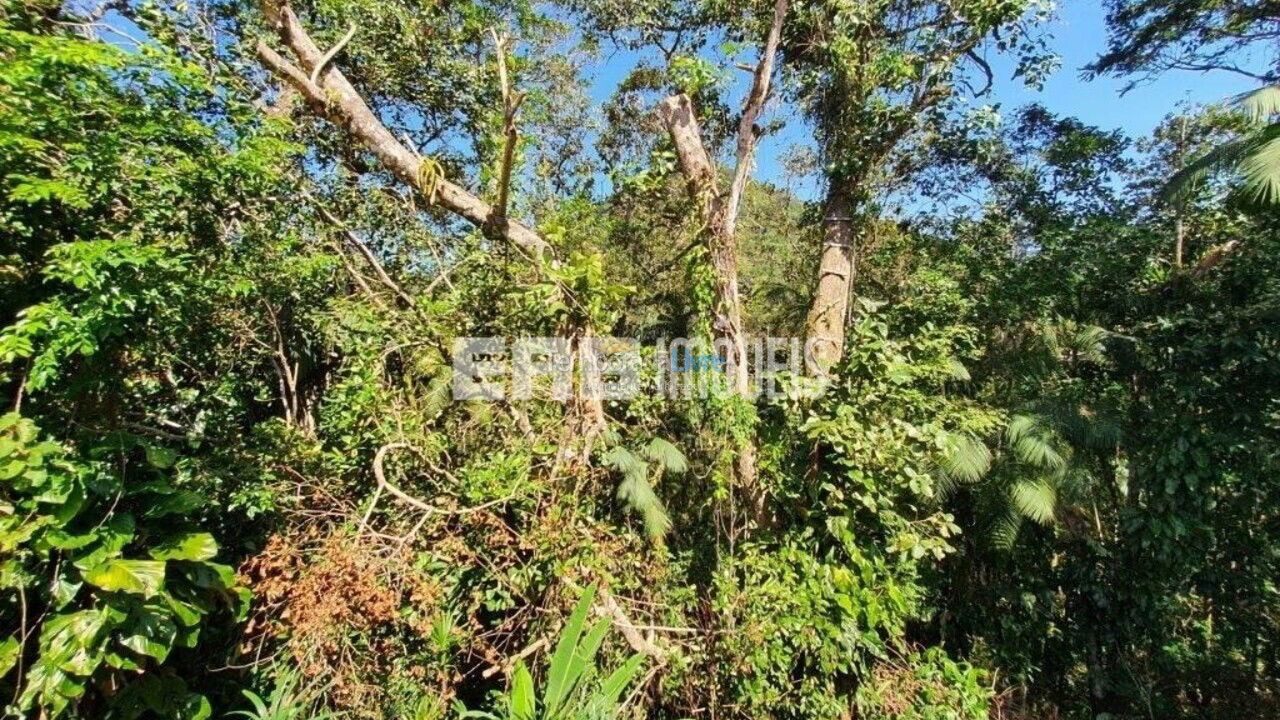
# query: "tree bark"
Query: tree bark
{"points": [[830, 309]]}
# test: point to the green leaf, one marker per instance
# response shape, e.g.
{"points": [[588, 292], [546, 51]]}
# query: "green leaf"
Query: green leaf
{"points": [[1261, 168], [138, 577], [187, 546], [150, 633], [522, 702], [8, 654], [561, 676], [161, 457], [71, 642]]}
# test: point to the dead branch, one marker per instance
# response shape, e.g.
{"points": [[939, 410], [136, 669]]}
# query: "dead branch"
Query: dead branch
{"points": [[748, 132], [333, 97], [333, 51], [511, 102]]}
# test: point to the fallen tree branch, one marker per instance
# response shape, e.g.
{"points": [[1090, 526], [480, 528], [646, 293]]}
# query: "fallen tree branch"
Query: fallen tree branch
{"points": [[383, 485]]}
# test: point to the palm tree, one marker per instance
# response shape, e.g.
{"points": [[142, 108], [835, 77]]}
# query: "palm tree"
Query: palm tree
{"points": [[1254, 155]]}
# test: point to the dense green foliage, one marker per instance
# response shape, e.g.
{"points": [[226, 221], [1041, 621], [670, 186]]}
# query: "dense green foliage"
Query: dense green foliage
{"points": [[1039, 482]]}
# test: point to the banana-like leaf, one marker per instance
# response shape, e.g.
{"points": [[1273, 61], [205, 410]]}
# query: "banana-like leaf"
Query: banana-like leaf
{"points": [[561, 677]]}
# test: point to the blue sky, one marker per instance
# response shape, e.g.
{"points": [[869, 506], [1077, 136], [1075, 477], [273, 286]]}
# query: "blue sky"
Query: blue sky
{"points": [[1078, 36]]}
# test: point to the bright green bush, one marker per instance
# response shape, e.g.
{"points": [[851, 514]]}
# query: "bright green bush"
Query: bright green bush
{"points": [[926, 685], [103, 577]]}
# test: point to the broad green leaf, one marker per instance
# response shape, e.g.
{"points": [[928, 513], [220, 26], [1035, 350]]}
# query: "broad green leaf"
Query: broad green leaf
{"points": [[187, 546], [138, 577], [522, 703], [149, 632], [562, 660]]}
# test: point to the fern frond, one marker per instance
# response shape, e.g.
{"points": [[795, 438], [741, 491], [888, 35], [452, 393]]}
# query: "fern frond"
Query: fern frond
{"points": [[966, 458], [1035, 500], [666, 455], [438, 396], [625, 462], [957, 370], [638, 494], [1088, 343]]}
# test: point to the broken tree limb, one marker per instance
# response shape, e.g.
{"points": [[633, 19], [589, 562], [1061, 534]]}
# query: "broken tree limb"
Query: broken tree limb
{"points": [[748, 131], [511, 102], [333, 97], [333, 51]]}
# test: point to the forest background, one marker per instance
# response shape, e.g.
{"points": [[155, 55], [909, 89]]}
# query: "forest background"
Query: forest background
{"points": [[238, 241]]}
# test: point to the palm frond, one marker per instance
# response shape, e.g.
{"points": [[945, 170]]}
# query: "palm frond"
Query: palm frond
{"points": [[1261, 168], [1088, 343], [1259, 105], [1228, 155], [1004, 531], [666, 455], [966, 458], [1035, 499], [1032, 443]]}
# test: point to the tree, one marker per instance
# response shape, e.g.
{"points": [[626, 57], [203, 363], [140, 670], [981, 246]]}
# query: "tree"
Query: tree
{"points": [[1147, 37], [874, 74]]}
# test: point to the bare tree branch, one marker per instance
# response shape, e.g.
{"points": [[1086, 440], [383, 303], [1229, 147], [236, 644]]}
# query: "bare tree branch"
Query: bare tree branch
{"points": [[511, 102], [334, 98], [748, 133]]}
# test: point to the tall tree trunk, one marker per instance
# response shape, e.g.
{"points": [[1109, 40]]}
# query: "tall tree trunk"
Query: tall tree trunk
{"points": [[830, 309], [719, 211]]}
